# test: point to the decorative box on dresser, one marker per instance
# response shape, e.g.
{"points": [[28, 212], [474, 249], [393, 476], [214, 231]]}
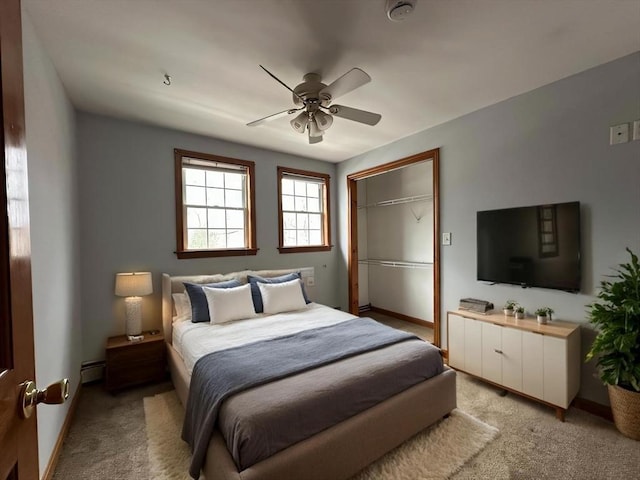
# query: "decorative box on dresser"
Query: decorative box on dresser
{"points": [[130, 363], [541, 362]]}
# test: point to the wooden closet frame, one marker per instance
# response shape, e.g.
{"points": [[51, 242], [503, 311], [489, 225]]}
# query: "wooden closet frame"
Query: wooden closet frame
{"points": [[352, 199]]}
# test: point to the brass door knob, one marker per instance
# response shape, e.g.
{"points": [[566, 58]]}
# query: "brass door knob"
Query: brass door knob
{"points": [[54, 394]]}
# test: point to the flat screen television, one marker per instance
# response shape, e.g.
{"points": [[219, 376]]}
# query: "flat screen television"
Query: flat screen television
{"points": [[536, 246]]}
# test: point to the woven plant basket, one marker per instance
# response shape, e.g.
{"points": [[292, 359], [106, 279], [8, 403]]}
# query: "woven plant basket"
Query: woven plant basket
{"points": [[625, 406]]}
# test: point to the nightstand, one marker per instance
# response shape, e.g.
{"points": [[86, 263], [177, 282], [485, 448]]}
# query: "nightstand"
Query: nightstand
{"points": [[133, 363]]}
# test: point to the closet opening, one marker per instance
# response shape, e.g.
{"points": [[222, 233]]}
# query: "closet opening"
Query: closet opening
{"points": [[394, 231]]}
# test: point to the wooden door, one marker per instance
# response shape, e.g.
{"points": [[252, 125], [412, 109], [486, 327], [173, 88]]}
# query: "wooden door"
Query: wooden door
{"points": [[18, 437]]}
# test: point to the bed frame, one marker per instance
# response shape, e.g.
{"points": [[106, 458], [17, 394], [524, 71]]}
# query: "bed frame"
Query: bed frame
{"points": [[337, 452]]}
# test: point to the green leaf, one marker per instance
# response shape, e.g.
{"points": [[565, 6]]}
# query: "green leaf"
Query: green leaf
{"points": [[616, 315]]}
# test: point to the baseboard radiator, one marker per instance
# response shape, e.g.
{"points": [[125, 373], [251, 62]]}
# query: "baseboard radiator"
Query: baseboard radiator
{"points": [[92, 371], [364, 308]]}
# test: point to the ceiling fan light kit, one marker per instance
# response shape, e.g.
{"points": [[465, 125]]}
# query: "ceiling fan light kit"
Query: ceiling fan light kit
{"points": [[313, 99], [314, 131], [323, 120], [300, 123]]}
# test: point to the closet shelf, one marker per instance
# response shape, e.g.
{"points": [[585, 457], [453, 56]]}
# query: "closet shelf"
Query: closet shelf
{"points": [[395, 263], [398, 201]]}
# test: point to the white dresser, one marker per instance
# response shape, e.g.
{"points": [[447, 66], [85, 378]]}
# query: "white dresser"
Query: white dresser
{"points": [[541, 362]]}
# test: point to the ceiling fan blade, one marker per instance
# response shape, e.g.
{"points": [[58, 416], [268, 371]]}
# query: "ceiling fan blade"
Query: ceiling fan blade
{"points": [[354, 114], [273, 116], [282, 83], [351, 80]]}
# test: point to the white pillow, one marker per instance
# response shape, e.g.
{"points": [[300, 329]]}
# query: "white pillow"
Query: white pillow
{"points": [[183, 305], [227, 304], [282, 297]]}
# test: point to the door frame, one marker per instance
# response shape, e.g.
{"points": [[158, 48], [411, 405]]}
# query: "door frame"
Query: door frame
{"points": [[352, 225], [18, 437]]}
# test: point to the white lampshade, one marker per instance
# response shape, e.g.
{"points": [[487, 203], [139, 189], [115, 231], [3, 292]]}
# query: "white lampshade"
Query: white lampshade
{"points": [[314, 131], [299, 123], [134, 284], [323, 121]]}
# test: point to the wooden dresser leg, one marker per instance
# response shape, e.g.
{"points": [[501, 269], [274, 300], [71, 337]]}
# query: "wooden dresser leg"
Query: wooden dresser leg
{"points": [[560, 413]]}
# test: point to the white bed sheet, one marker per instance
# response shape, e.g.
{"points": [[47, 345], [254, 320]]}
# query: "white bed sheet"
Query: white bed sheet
{"points": [[194, 340]]}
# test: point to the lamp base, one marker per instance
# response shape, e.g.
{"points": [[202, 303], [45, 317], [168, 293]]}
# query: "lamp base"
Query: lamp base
{"points": [[133, 324]]}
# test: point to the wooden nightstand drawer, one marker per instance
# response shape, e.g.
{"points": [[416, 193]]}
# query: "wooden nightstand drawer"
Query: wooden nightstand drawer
{"points": [[127, 377], [134, 363], [134, 354]]}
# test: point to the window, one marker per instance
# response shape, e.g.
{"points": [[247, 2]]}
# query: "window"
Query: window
{"points": [[303, 211], [215, 213]]}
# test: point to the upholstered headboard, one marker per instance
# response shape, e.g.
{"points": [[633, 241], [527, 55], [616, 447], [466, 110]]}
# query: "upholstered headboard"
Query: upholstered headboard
{"points": [[175, 284]]}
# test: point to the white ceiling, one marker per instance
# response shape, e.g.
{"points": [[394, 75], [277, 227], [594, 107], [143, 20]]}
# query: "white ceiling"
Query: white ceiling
{"points": [[449, 58]]}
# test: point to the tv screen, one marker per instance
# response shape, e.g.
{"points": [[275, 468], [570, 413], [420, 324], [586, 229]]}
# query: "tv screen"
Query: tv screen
{"points": [[535, 246]]}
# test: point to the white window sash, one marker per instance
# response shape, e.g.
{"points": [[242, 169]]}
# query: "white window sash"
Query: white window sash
{"points": [[206, 165], [308, 179]]}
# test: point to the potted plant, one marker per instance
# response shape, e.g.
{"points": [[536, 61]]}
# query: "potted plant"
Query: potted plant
{"points": [[616, 314], [544, 315], [508, 307], [519, 311], [550, 312]]}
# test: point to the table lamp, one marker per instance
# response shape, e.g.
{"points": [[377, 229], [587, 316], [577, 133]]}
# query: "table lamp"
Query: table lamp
{"points": [[133, 286]]}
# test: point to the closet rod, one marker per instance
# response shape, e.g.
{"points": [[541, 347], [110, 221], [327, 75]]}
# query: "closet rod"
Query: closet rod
{"points": [[396, 263], [398, 201]]}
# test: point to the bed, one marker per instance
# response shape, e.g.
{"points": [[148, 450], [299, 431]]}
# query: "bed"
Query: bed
{"points": [[335, 452]]}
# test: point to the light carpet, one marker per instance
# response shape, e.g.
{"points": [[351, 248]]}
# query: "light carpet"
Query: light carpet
{"points": [[435, 453]]}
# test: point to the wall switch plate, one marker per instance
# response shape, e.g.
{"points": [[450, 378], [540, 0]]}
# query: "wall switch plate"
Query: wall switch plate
{"points": [[636, 130], [619, 134], [311, 281], [446, 238]]}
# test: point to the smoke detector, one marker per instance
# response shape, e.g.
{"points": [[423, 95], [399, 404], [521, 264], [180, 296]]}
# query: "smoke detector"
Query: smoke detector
{"points": [[398, 10]]}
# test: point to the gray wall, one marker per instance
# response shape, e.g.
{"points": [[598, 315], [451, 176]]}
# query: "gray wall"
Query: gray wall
{"points": [[548, 145], [50, 128], [127, 218]]}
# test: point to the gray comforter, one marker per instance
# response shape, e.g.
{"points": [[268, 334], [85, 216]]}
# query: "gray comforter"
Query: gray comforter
{"points": [[265, 420], [221, 374]]}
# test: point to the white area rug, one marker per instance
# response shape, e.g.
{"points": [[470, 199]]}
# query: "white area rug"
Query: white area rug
{"points": [[435, 453], [168, 454]]}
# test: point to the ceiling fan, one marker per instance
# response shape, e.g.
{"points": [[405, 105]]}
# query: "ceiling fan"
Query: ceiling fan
{"points": [[313, 100]]}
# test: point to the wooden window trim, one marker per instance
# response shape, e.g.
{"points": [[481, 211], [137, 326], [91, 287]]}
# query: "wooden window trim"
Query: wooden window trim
{"points": [[232, 252], [183, 253], [326, 246]]}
